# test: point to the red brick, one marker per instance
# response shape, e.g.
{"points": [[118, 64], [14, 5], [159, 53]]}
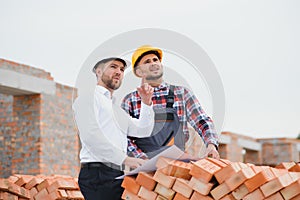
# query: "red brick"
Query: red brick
{"points": [[198, 196], [228, 197], [204, 170], [58, 194], [13, 178], [4, 184], [250, 164], [168, 169], [59, 176], [20, 198], [258, 169], [296, 197], [178, 196], [159, 197], [238, 178], [74, 194], [243, 165], [276, 184], [130, 184], [147, 194], [279, 172], [182, 169], [41, 195], [33, 182], [228, 162], [220, 191], [20, 191], [285, 165], [8, 196], [291, 190], [217, 162], [259, 179], [23, 180], [255, 195], [44, 184], [182, 186], [276, 196], [163, 162], [63, 193], [130, 196], [200, 186], [226, 172], [294, 175], [240, 192], [295, 168], [33, 191], [164, 191], [178, 169], [146, 180], [163, 179], [62, 184]]}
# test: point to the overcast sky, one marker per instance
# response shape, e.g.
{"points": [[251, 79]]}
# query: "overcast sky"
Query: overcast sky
{"points": [[255, 46]]}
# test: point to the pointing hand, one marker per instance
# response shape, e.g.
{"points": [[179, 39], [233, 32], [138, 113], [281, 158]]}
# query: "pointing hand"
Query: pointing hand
{"points": [[146, 92]]}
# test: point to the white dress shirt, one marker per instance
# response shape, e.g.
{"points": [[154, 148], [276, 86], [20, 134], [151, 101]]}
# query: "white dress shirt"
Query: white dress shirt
{"points": [[103, 127]]}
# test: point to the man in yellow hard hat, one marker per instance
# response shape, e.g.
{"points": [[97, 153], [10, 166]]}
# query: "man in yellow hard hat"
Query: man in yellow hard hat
{"points": [[174, 106]]}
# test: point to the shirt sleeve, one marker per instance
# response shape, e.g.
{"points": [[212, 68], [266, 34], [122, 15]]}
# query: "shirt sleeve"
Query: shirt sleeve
{"points": [[90, 134], [143, 126], [199, 120], [134, 151]]}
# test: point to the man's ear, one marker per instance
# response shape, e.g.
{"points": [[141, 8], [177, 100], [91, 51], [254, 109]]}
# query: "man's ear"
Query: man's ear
{"points": [[139, 72], [98, 73]]}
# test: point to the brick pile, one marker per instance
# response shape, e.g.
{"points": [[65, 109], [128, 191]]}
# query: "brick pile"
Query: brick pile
{"points": [[214, 179], [22, 187]]}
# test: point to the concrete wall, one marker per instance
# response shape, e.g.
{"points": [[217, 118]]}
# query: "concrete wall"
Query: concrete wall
{"points": [[37, 132]]}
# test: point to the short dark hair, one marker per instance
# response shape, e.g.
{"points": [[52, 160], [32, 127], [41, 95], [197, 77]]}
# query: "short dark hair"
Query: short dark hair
{"points": [[146, 53], [106, 60]]}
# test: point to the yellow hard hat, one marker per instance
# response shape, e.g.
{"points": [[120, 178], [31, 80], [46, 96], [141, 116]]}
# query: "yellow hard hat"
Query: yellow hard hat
{"points": [[141, 51]]}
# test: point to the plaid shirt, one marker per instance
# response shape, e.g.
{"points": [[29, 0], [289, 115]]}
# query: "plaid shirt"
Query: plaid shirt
{"points": [[188, 110]]}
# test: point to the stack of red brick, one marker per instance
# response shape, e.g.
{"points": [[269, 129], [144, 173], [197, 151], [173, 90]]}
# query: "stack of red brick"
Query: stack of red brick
{"points": [[22, 187], [214, 179]]}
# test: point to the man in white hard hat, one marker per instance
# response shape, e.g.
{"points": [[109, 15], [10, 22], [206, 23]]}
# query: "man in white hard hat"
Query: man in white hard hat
{"points": [[103, 139], [175, 107]]}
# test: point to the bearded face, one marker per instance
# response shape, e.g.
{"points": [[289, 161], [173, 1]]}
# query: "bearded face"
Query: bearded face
{"points": [[111, 75], [112, 82]]}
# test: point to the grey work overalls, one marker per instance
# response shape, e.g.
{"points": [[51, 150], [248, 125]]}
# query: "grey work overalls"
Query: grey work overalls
{"points": [[166, 132]]}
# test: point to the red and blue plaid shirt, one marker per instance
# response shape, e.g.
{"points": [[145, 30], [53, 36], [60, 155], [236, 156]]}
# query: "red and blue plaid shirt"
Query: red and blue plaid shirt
{"points": [[188, 110]]}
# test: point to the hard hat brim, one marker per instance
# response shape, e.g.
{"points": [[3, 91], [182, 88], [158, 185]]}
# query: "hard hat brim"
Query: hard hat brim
{"points": [[108, 59], [141, 52]]}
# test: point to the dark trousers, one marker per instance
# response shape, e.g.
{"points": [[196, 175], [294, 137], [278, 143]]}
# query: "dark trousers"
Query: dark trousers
{"points": [[97, 183]]}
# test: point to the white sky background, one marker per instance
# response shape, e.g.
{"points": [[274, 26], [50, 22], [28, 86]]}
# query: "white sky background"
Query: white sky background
{"points": [[254, 44]]}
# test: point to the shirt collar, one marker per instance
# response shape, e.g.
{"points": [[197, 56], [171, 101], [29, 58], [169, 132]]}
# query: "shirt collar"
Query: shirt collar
{"points": [[162, 86], [104, 91]]}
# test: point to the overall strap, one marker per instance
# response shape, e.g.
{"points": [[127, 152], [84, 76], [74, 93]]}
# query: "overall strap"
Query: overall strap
{"points": [[170, 98]]}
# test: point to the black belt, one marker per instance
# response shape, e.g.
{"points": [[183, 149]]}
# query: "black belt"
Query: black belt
{"points": [[101, 164]]}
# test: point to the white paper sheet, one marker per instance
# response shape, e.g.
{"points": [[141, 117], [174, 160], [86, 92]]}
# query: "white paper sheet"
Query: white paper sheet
{"points": [[172, 152]]}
